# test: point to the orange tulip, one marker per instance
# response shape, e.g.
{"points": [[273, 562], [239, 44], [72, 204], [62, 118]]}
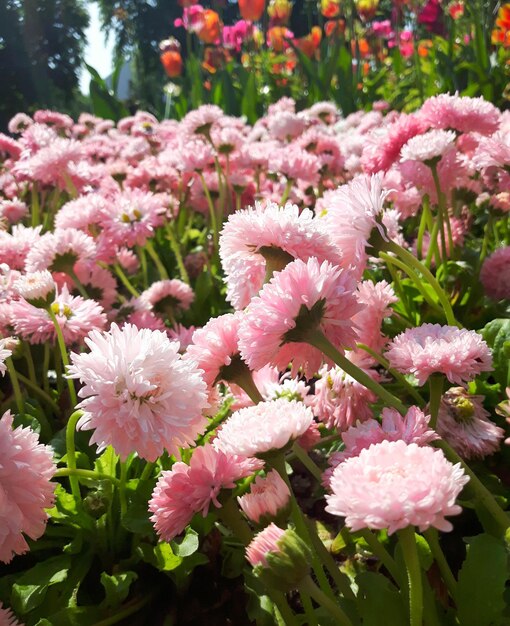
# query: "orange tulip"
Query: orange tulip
{"points": [[276, 37], [334, 27], [366, 8], [172, 62], [309, 44], [501, 34], [424, 47], [279, 11], [251, 10], [330, 8], [209, 28]]}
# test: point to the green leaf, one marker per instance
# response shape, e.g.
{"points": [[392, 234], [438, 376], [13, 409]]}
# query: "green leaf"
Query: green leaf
{"points": [[482, 582], [497, 333], [188, 546], [107, 462], [166, 560], [249, 100], [67, 512], [74, 616], [116, 588], [30, 589], [380, 601]]}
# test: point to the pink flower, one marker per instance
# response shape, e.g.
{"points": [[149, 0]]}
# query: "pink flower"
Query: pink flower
{"points": [[463, 114], [182, 335], [465, 424], [285, 125], [51, 164], [267, 497], [263, 237], [264, 542], [36, 286], [139, 394], [457, 353], [26, 489], [495, 274], [189, 489], [266, 426], [302, 297], [377, 298], [430, 146], [76, 317], [394, 485], [19, 123], [166, 297], [15, 246], [7, 618], [59, 250], [13, 210], [200, 121], [5, 353], [295, 164]]}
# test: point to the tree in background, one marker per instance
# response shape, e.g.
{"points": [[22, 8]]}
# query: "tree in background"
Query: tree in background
{"points": [[41, 50]]}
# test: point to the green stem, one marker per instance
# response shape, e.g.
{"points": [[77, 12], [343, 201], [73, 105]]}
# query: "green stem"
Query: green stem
{"points": [[422, 227], [147, 471], [438, 554], [89, 474], [122, 488], [71, 453], [317, 339], [396, 375], [212, 212], [311, 618], [78, 283], [229, 513], [302, 456], [286, 191], [30, 362], [410, 551], [309, 587], [176, 249], [436, 382], [35, 205], [63, 355], [20, 402], [39, 392], [243, 377], [143, 261], [125, 280], [157, 261], [289, 619], [46, 367], [380, 552]]}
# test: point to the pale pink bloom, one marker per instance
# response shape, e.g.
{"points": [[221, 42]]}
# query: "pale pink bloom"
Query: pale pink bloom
{"points": [[98, 282], [199, 121], [463, 114], [133, 217], [60, 250], [84, 213], [19, 123], [51, 164], [327, 112], [189, 489], [128, 260], [35, 286], [264, 232], [264, 543], [139, 394], [195, 156], [493, 151], [271, 387], [264, 427], [142, 317], [495, 274], [349, 215], [458, 353], [168, 296], [295, 164], [215, 347], [183, 335], [377, 299], [393, 485], [465, 424], [340, 400], [322, 296], [227, 140], [5, 353], [286, 125], [7, 617], [9, 147], [13, 210], [268, 495], [26, 489], [429, 146], [53, 118], [285, 103]]}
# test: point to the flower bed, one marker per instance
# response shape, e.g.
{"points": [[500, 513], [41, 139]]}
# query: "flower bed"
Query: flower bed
{"points": [[256, 374]]}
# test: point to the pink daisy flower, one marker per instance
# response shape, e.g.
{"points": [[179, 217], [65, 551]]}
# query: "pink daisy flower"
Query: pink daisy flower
{"points": [[26, 489], [7, 618], [266, 426], [285, 125], [393, 485], [13, 210], [495, 274], [53, 118], [295, 164], [5, 353], [265, 542], [83, 213], [98, 282], [182, 335], [200, 121], [377, 299], [139, 394], [429, 147], [463, 114], [166, 297], [268, 236], [19, 123], [301, 298], [36, 287], [457, 353], [51, 164], [15, 246], [60, 250], [268, 496], [465, 425], [189, 489], [76, 317]]}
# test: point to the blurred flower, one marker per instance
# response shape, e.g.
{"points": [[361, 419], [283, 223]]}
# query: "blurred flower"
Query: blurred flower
{"points": [[334, 28], [501, 34], [279, 11], [209, 28], [215, 57], [330, 8], [234, 36], [170, 44], [311, 42], [456, 10], [251, 10], [382, 29], [276, 37], [366, 8], [432, 17], [172, 62]]}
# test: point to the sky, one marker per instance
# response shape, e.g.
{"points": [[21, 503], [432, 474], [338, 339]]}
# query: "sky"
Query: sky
{"points": [[98, 53]]}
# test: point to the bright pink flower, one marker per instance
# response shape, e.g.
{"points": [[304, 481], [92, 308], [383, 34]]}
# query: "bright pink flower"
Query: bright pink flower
{"points": [[51, 165], [495, 274], [139, 394], [295, 164], [268, 495], [9, 147], [465, 424], [7, 618], [264, 427], [166, 297], [26, 489], [264, 542], [463, 114], [189, 489], [302, 297], [457, 353], [13, 210], [264, 237], [84, 213], [98, 282], [58, 251], [376, 298], [15, 246], [394, 485], [183, 335], [53, 118]]}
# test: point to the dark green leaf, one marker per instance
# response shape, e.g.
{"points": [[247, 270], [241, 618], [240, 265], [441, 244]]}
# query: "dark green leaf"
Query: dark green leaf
{"points": [[116, 587], [379, 601], [188, 545], [497, 334], [30, 589]]}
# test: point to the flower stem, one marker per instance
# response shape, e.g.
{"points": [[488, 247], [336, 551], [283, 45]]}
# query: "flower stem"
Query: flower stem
{"points": [[78, 283], [20, 402], [157, 261], [380, 552], [147, 470], [436, 391], [122, 488], [30, 362], [71, 453], [286, 191], [90, 474], [433, 541], [243, 377], [302, 456], [39, 392], [279, 599], [308, 586], [212, 212], [176, 249], [408, 543], [317, 339], [63, 354], [125, 280], [229, 513]]}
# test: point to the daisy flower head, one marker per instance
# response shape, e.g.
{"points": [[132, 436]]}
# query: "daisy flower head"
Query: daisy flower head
{"points": [[263, 427], [462, 114], [393, 485], [428, 147], [138, 394], [37, 288], [303, 298], [60, 250], [188, 489], [26, 489], [457, 353], [166, 297], [5, 353], [495, 274], [259, 240], [268, 496]]}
